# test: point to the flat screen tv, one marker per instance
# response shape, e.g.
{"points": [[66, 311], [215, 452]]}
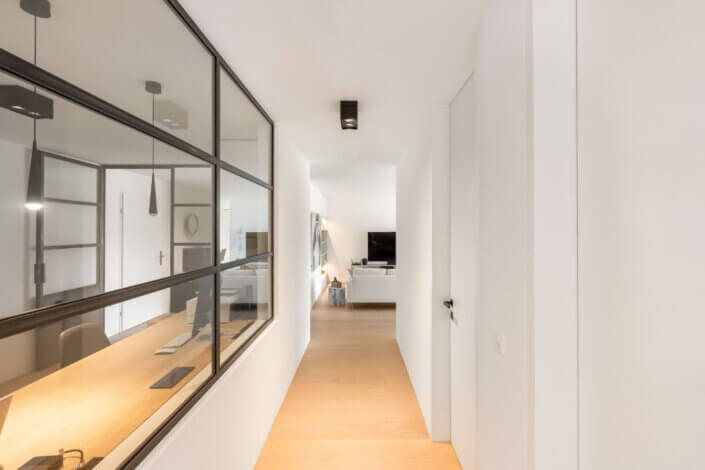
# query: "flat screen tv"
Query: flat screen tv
{"points": [[382, 246]]}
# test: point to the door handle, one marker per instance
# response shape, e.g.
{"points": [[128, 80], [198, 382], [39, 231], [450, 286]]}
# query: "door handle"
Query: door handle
{"points": [[449, 305], [161, 257]]}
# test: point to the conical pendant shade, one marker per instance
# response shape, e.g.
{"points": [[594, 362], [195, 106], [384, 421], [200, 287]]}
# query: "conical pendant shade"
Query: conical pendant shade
{"points": [[153, 198], [35, 200]]}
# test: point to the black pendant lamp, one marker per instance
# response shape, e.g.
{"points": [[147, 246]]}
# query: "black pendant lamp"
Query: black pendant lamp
{"points": [[35, 196], [35, 193], [154, 88]]}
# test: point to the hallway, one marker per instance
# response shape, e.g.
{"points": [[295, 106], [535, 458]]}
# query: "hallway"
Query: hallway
{"points": [[351, 404]]}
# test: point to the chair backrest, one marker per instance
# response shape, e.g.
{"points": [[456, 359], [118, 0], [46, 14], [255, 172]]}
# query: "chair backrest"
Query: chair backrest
{"points": [[80, 341]]}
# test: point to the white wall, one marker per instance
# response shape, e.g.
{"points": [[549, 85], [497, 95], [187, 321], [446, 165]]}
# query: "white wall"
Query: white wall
{"points": [[423, 269], [440, 268], [501, 142], [521, 116], [554, 209], [229, 426], [414, 275], [350, 217], [319, 280], [641, 231]]}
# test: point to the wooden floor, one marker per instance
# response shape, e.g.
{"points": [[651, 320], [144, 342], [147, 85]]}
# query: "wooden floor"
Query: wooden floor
{"points": [[351, 404]]}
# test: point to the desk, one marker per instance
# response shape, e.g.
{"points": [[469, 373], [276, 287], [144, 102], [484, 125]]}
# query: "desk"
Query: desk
{"points": [[95, 403]]}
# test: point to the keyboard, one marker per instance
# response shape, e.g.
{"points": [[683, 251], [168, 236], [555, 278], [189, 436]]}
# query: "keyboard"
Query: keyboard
{"points": [[175, 343], [178, 341]]}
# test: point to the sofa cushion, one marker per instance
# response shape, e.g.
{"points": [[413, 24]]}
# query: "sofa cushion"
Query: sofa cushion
{"points": [[369, 272]]}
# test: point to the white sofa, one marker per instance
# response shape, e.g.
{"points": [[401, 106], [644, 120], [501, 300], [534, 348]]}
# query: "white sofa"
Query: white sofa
{"points": [[251, 284], [371, 285]]}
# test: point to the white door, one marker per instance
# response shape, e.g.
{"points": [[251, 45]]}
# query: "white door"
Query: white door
{"points": [[464, 200], [137, 244]]}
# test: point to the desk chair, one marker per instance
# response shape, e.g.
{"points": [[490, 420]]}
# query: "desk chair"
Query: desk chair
{"points": [[80, 341]]}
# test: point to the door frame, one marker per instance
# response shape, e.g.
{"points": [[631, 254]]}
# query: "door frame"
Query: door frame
{"points": [[42, 299]]}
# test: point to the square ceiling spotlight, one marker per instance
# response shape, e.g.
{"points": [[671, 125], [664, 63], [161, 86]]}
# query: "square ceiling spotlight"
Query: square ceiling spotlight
{"points": [[348, 114], [170, 114], [26, 102]]}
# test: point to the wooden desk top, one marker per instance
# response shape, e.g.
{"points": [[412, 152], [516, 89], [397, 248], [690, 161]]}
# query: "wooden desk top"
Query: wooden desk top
{"points": [[95, 403]]}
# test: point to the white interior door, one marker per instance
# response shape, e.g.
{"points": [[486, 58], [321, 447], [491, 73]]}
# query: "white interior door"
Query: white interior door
{"points": [[137, 244], [463, 267]]}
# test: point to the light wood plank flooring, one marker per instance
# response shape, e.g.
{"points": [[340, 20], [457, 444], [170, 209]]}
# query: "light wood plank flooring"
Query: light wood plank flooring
{"points": [[351, 404]]}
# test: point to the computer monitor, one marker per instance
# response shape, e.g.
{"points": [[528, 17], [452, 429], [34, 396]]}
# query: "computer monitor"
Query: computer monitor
{"points": [[204, 305]]}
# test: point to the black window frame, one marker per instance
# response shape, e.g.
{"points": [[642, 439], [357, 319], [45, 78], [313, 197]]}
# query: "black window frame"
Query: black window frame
{"points": [[20, 68]]}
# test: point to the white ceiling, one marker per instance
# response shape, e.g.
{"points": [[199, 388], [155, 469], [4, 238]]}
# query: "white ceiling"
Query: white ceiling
{"points": [[352, 181], [299, 58]]}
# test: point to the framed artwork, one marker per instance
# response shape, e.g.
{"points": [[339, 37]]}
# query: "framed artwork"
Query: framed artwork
{"points": [[315, 241]]}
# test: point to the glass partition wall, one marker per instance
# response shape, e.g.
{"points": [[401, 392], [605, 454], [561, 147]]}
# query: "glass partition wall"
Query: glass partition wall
{"points": [[136, 197]]}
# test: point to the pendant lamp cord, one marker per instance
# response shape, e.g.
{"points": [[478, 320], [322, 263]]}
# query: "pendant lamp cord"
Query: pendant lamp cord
{"points": [[152, 137], [34, 121]]}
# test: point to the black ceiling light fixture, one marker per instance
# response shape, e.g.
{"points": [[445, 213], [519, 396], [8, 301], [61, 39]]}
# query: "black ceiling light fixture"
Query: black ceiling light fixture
{"points": [[153, 88], [30, 104], [26, 102], [38, 8], [348, 114]]}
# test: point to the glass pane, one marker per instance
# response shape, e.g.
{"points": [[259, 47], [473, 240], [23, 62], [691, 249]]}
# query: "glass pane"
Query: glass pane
{"points": [[131, 42], [189, 258], [193, 185], [70, 268], [244, 304], [244, 219], [70, 224], [90, 381], [137, 244], [72, 181], [245, 135], [193, 224]]}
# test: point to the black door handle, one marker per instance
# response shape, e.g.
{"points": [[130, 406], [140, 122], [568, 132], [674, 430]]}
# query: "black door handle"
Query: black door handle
{"points": [[448, 303]]}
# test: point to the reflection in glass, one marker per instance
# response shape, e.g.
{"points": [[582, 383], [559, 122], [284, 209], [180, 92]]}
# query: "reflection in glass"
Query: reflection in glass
{"points": [[244, 217], [131, 42], [245, 135], [86, 383], [244, 304], [94, 233]]}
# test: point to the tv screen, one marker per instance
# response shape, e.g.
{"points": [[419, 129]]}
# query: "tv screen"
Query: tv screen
{"points": [[382, 246]]}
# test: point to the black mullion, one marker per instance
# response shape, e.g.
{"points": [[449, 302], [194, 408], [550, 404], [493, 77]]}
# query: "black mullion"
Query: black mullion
{"points": [[39, 267], [72, 160], [171, 222], [216, 208], [57, 200], [100, 252], [71, 246], [235, 170], [158, 166], [42, 316], [271, 221], [192, 205]]}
